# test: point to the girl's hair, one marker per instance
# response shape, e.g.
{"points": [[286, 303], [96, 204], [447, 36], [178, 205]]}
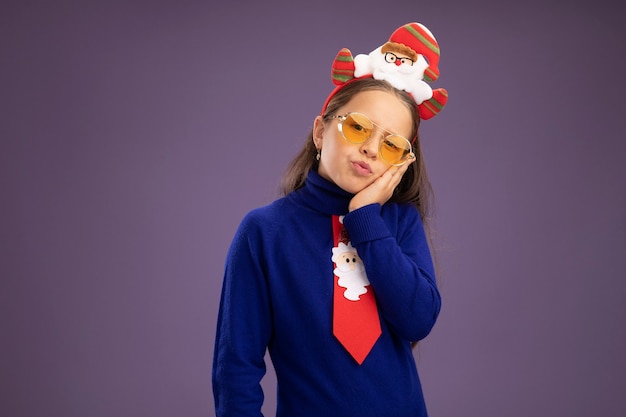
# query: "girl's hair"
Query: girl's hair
{"points": [[414, 188]]}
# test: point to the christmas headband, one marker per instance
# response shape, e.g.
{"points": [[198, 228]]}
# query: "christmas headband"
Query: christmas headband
{"points": [[407, 61]]}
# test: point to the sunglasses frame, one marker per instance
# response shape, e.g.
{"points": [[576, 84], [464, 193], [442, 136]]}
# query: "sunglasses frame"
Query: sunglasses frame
{"points": [[343, 118]]}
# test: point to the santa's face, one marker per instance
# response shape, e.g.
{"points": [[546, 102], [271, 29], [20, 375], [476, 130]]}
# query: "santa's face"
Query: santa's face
{"points": [[395, 62], [402, 63], [355, 166], [392, 62], [348, 261]]}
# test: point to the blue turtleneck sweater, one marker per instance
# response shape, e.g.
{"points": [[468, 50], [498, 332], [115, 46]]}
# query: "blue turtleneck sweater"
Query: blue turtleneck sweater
{"points": [[277, 295]]}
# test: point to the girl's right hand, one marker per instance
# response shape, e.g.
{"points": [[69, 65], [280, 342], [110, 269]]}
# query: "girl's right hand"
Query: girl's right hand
{"points": [[381, 190]]}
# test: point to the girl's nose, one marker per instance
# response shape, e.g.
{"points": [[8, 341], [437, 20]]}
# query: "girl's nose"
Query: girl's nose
{"points": [[371, 145]]}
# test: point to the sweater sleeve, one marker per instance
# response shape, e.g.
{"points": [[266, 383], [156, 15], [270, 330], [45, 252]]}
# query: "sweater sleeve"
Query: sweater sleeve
{"points": [[243, 328], [399, 268]]}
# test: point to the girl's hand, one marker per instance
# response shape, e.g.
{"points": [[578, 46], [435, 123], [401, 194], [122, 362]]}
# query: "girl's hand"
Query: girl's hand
{"points": [[381, 189]]}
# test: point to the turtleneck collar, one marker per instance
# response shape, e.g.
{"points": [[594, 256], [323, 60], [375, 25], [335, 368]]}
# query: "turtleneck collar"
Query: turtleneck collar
{"points": [[322, 195]]}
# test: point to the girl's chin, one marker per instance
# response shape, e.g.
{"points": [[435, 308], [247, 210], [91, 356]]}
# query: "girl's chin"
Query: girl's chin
{"points": [[354, 186]]}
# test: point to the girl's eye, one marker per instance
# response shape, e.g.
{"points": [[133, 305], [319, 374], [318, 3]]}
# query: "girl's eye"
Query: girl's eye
{"points": [[391, 145], [358, 127]]}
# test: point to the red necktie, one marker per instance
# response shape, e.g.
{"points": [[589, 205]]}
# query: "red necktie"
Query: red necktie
{"points": [[355, 316]]}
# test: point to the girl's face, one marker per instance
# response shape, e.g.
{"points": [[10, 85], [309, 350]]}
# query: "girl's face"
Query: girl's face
{"points": [[355, 166]]}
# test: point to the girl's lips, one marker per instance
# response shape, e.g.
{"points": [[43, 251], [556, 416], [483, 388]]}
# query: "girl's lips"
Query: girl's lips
{"points": [[361, 168]]}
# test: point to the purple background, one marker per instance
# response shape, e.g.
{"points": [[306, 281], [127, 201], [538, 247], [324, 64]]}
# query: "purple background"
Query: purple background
{"points": [[135, 136]]}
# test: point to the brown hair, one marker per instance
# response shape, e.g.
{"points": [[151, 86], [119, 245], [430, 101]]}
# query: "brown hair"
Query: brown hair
{"points": [[414, 188]]}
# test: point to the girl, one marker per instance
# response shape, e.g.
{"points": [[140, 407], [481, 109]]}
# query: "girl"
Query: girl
{"points": [[335, 278]]}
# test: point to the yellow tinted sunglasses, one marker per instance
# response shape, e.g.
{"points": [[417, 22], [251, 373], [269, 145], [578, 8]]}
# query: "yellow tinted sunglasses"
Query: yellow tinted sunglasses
{"points": [[358, 128]]}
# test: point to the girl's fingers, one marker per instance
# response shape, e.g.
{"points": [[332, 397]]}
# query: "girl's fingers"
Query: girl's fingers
{"points": [[382, 189], [397, 172]]}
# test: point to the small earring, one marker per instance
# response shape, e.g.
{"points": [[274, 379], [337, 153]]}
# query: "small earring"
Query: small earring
{"points": [[319, 155]]}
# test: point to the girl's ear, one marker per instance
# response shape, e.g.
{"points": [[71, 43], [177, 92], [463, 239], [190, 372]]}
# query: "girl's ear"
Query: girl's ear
{"points": [[318, 131]]}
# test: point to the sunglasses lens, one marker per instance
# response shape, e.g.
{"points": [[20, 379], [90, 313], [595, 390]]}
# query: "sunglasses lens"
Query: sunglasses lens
{"points": [[356, 128], [395, 149]]}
